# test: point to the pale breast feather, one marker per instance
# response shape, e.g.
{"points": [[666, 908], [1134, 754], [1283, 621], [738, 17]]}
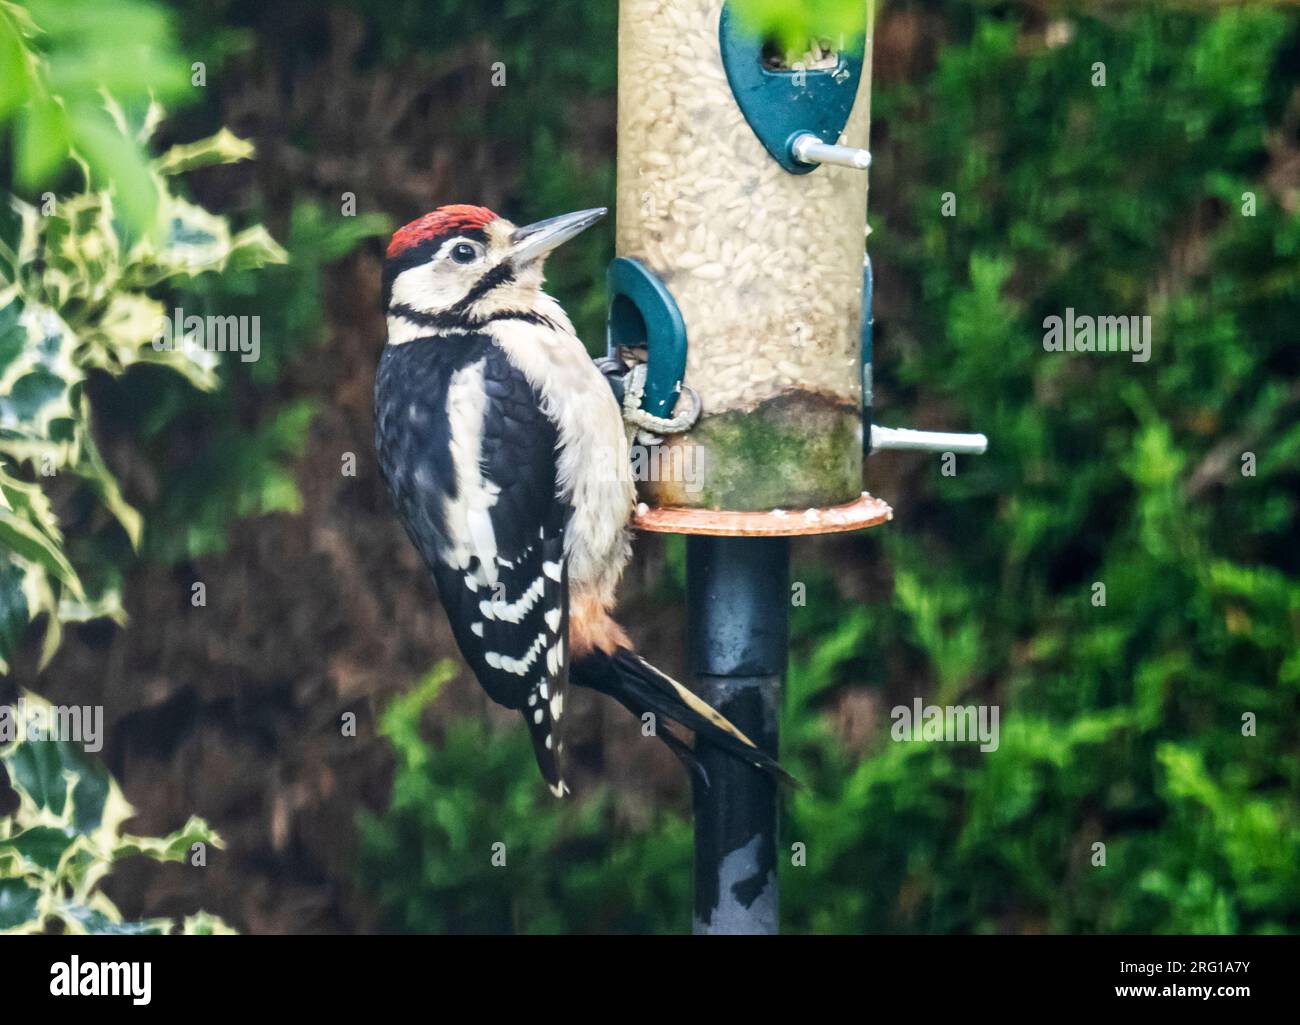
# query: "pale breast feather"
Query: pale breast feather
{"points": [[593, 473]]}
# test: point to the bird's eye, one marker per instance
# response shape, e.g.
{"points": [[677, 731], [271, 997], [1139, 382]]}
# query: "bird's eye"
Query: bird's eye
{"points": [[463, 252]]}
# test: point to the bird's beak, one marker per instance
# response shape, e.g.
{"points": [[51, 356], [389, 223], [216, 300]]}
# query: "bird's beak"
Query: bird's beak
{"points": [[536, 240]]}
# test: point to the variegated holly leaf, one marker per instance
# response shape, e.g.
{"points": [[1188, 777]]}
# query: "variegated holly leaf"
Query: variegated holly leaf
{"points": [[85, 920], [67, 834], [126, 334], [192, 241], [38, 378], [254, 247], [102, 604], [71, 256], [28, 590], [204, 924], [58, 784], [17, 609], [223, 148], [19, 227], [92, 469], [19, 904], [39, 849], [32, 567], [176, 847], [74, 297], [29, 529]]}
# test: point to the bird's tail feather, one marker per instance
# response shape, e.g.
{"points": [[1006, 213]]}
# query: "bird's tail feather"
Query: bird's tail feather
{"points": [[627, 677]]}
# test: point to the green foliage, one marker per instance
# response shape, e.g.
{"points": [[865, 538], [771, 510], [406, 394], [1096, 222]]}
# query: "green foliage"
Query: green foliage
{"points": [[794, 22], [1121, 724], [78, 296], [57, 60], [427, 861], [66, 836]]}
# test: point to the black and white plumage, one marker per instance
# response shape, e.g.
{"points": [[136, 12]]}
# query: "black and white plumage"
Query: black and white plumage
{"points": [[506, 458], [493, 533]]}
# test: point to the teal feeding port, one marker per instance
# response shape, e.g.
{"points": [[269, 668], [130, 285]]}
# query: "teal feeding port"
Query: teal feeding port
{"points": [[787, 105], [644, 315]]}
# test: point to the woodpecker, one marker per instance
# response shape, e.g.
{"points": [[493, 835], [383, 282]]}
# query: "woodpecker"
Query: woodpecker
{"points": [[500, 441]]}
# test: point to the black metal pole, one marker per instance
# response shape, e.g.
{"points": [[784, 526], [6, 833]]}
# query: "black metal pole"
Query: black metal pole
{"points": [[738, 605]]}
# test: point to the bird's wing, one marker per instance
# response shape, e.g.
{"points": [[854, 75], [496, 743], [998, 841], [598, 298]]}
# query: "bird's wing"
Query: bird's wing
{"points": [[501, 572]]}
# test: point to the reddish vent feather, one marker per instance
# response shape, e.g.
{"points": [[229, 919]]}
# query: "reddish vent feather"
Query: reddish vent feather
{"points": [[444, 220]]}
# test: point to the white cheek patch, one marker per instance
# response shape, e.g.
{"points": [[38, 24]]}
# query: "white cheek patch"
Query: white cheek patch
{"points": [[435, 286]]}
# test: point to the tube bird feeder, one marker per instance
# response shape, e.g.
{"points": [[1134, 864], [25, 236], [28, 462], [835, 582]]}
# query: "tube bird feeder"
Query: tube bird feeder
{"points": [[740, 273], [721, 200]]}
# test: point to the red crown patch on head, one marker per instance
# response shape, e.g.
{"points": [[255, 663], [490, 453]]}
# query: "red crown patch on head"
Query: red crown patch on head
{"points": [[445, 219]]}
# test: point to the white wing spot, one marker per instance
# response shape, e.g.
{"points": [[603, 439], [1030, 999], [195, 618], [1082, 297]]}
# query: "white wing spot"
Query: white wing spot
{"points": [[519, 666], [552, 570], [513, 612], [553, 619]]}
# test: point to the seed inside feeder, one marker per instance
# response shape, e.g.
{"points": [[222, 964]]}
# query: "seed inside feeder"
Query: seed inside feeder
{"points": [[819, 56], [765, 266]]}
